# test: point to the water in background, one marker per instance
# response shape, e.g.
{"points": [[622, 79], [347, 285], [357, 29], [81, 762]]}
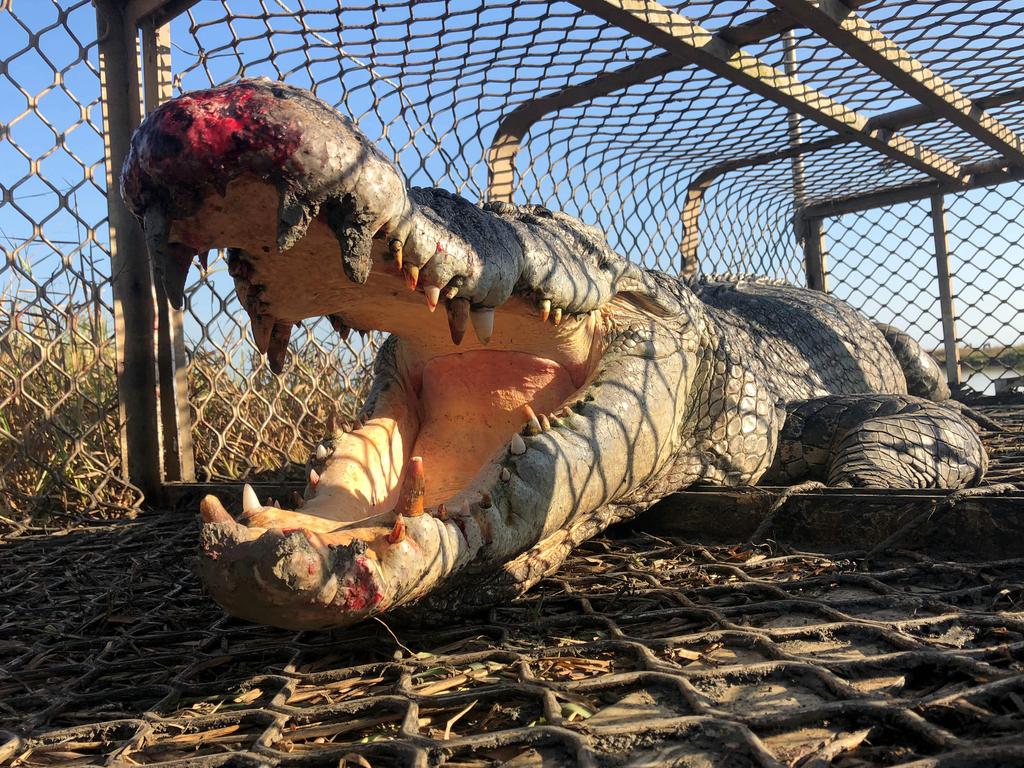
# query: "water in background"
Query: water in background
{"points": [[983, 381]]}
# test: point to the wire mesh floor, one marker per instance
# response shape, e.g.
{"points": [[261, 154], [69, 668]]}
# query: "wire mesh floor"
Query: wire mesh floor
{"points": [[642, 651]]}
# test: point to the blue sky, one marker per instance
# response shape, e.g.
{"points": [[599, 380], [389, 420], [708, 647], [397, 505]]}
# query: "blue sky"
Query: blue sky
{"points": [[430, 89]]}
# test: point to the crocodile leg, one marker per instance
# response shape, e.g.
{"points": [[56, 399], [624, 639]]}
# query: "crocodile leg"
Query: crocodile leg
{"points": [[886, 441]]}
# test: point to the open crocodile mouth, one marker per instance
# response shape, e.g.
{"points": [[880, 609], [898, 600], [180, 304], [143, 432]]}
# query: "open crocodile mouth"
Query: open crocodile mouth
{"points": [[453, 385], [499, 318]]}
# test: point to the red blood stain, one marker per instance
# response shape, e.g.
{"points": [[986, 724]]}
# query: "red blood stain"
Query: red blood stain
{"points": [[363, 591], [217, 125], [213, 136]]}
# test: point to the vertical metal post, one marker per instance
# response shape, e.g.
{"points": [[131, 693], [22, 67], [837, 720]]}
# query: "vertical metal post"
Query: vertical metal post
{"points": [[690, 220], [948, 307], [172, 359], [501, 168], [809, 232], [132, 278], [793, 125], [812, 236]]}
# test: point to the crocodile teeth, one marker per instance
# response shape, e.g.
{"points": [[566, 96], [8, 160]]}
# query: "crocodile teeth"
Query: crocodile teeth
{"points": [[410, 500], [250, 501], [321, 452], [451, 292], [293, 218], [433, 294], [314, 479], [505, 474], [339, 326], [212, 511], [297, 501], [441, 513], [158, 229], [545, 310], [412, 276], [278, 346], [238, 267], [458, 318], [532, 426], [556, 316], [176, 266], [545, 424], [398, 532], [517, 447], [395, 246], [262, 327], [483, 323]]}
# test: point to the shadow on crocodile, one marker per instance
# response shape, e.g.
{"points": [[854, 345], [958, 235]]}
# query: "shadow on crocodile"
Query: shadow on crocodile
{"points": [[535, 388]]}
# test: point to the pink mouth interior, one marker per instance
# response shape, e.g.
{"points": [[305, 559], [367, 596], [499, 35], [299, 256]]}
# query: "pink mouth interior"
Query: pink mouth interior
{"points": [[456, 411], [471, 405]]}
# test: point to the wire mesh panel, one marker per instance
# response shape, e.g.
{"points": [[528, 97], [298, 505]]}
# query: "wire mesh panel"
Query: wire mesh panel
{"points": [[59, 422], [882, 261], [666, 650], [986, 229], [435, 85]]}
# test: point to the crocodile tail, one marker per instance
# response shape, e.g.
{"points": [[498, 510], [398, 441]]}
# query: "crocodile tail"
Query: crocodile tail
{"points": [[925, 377]]}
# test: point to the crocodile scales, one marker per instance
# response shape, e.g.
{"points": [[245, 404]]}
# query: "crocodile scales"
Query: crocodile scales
{"points": [[536, 386]]}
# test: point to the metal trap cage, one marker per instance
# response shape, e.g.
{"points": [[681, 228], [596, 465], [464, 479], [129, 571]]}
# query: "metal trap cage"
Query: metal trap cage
{"points": [[867, 149], [870, 149]]}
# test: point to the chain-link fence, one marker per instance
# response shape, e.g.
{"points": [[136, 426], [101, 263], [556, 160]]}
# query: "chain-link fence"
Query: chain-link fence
{"points": [[678, 160], [883, 262], [59, 422]]}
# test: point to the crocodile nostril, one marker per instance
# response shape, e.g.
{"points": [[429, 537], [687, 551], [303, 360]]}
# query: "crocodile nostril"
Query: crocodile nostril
{"points": [[298, 565]]}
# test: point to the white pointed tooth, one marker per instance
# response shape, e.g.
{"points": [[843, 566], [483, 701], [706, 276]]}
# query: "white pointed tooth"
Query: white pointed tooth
{"points": [[314, 478], [518, 446], [505, 474], [483, 323], [433, 294], [321, 452], [250, 501]]}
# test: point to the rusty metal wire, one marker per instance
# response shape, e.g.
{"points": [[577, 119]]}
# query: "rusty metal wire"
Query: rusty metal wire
{"points": [[640, 649]]}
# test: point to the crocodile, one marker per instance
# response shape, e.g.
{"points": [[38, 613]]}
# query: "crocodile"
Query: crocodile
{"points": [[535, 386]]}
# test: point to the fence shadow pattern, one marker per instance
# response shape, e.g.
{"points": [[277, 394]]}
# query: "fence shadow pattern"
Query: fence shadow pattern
{"points": [[641, 649]]}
